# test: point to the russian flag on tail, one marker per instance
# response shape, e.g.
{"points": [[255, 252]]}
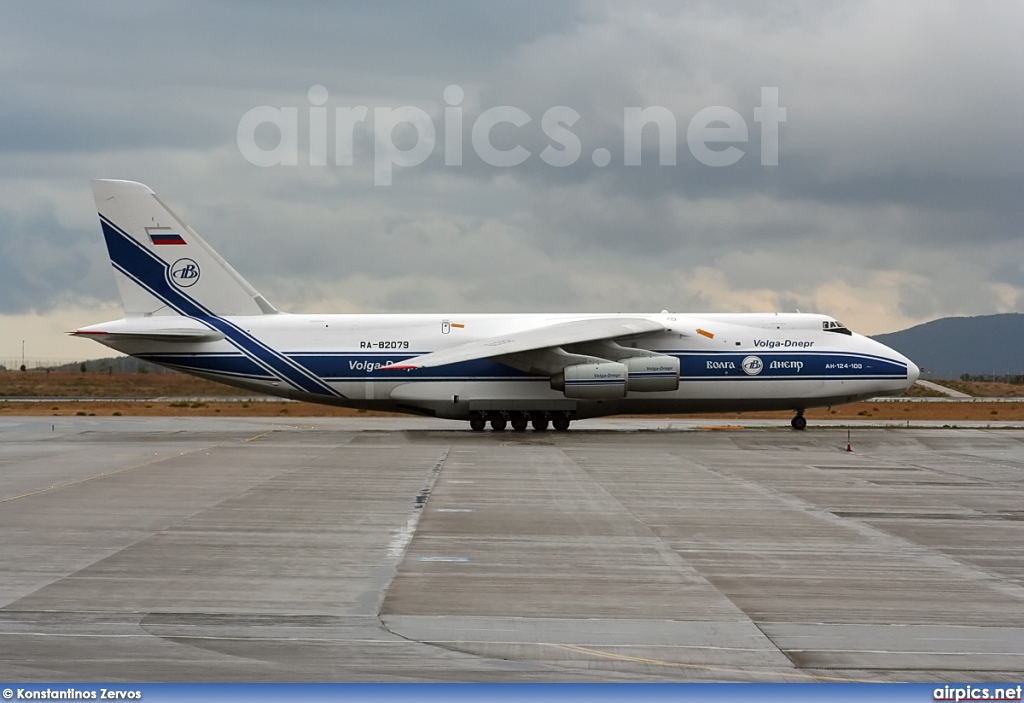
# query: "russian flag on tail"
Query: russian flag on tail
{"points": [[159, 239]]}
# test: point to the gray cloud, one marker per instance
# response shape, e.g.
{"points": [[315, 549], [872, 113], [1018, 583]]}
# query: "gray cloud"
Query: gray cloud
{"points": [[46, 265], [898, 184]]}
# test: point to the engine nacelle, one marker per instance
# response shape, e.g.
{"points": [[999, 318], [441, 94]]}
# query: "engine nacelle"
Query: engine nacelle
{"points": [[651, 374], [592, 381]]}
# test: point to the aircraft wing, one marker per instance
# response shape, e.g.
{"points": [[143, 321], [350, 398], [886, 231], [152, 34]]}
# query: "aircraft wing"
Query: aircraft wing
{"points": [[556, 335]]}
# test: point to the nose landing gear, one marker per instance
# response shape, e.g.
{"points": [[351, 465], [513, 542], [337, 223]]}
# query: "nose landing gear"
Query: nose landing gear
{"points": [[799, 422]]}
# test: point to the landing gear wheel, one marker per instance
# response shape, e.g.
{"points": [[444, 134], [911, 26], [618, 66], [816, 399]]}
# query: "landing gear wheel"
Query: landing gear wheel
{"points": [[498, 423], [799, 422], [519, 422], [477, 423], [560, 422], [539, 423]]}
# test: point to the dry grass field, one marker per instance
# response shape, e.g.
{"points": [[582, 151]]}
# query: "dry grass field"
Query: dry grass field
{"points": [[64, 388], [72, 384]]}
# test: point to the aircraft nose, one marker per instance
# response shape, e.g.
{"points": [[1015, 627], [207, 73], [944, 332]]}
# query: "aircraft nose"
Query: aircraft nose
{"points": [[913, 372]]}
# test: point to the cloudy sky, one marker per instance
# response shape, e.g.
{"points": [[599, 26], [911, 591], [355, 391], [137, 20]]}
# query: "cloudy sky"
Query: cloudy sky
{"points": [[898, 195]]}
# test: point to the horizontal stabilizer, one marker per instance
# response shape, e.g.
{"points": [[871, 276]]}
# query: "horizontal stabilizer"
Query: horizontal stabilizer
{"points": [[161, 329], [556, 335]]}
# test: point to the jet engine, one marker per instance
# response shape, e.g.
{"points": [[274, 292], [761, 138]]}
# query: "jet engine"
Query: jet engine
{"points": [[651, 374], [592, 381], [611, 379]]}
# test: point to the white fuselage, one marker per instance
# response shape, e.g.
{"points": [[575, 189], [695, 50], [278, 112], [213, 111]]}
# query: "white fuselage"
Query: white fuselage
{"points": [[735, 362]]}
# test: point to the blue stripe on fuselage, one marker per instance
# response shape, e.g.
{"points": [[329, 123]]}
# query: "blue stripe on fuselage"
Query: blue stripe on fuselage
{"points": [[340, 366], [356, 366], [776, 365], [233, 364]]}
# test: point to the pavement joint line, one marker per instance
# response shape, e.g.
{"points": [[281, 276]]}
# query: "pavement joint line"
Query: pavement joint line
{"points": [[926, 554], [118, 471], [665, 549], [661, 546], [701, 667], [372, 599]]}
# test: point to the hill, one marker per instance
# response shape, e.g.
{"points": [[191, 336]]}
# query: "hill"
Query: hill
{"points": [[987, 345]]}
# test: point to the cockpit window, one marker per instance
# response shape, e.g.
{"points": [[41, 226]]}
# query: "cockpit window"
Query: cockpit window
{"points": [[835, 326]]}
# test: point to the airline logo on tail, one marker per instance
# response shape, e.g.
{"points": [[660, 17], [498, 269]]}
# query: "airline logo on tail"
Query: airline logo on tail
{"points": [[184, 273]]}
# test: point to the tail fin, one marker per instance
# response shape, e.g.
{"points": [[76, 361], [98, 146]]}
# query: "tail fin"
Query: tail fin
{"points": [[162, 266]]}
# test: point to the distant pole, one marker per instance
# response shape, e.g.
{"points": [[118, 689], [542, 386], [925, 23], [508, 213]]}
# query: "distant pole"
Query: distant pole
{"points": [[23, 352]]}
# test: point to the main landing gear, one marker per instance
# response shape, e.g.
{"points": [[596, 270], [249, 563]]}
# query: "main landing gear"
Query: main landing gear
{"points": [[519, 421], [799, 422]]}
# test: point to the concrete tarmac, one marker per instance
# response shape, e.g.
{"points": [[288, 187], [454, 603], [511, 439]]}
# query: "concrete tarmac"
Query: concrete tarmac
{"points": [[338, 549]]}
